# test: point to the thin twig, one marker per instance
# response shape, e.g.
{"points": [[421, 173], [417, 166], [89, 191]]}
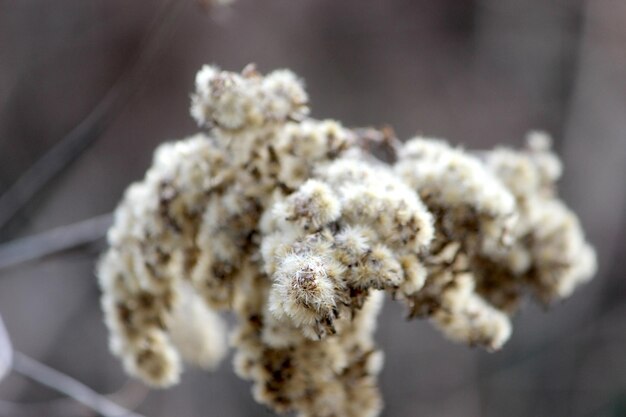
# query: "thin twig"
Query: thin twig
{"points": [[62, 383], [54, 241], [69, 148], [69, 408], [6, 351], [131, 395], [382, 143]]}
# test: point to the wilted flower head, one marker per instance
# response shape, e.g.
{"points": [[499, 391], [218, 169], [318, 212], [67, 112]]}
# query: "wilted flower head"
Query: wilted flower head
{"points": [[292, 224]]}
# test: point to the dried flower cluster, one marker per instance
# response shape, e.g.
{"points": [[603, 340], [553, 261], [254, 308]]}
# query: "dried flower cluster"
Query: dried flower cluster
{"points": [[291, 223]]}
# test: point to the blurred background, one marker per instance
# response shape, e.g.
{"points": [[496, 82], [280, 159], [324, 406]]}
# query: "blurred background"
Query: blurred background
{"points": [[89, 88]]}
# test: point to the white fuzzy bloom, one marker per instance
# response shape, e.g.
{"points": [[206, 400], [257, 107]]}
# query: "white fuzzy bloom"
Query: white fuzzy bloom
{"points": [[304, 292], [466, 317], [154, 360], [375, 197], [449, 176], [313, 206], [353, 243], [198, 332], [414, 275], [552, 252], [233, 102]]}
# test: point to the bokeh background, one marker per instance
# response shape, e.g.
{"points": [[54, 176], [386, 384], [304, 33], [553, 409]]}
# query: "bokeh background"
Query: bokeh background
{"points": [[89, 88]]}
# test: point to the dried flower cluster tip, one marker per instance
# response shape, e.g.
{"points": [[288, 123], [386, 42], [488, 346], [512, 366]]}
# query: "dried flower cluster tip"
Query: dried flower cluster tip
{"points": [[291, 223]]}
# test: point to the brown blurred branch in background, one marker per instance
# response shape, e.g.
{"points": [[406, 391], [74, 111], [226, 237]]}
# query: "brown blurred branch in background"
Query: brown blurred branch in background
{"points": [[131, 395], [54, 241], [58, 381], [84, 134], [76, 391]]}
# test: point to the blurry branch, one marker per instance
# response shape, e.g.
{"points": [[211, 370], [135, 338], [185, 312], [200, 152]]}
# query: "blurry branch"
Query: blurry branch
{"points": [[79, 139], [6, 351], [51, 378], [47, 408], [76, 391], [131, 395], [54, 241], [383, 143], [597, 111]]}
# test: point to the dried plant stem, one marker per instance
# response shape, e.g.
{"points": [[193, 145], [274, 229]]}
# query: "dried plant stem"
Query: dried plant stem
{"points": [[60, 382], [80, 138], [131, 394], [53, 241], [6, 351]]}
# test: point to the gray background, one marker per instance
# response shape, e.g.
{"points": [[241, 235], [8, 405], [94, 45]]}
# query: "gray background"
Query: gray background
{"points": [[478, 73]]}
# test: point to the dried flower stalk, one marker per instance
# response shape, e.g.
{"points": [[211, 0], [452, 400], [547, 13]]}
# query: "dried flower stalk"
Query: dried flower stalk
{"points": [[292, 224]]}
